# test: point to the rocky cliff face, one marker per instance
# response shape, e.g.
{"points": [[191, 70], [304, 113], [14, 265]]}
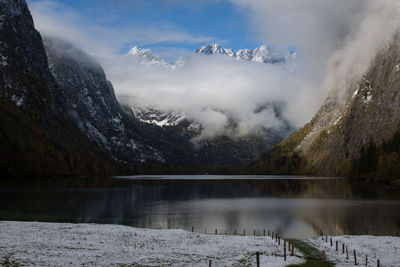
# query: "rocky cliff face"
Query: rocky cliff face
{"points": [[25, 77], [368, 111], [87, 98]]}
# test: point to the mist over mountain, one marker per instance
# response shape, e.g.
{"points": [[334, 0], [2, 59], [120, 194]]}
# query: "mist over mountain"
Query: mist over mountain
{"points": [[182, 82], [356, 133]]}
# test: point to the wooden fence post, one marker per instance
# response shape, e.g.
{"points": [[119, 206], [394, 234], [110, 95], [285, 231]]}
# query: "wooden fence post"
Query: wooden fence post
{"points": [[292, 252], [254, 232], [378, 263], [355, 258], [192, 229], [216, 232], [343, 248], [323, 256], [244, 232], [209, 263], [326, 239], [258, 258], [279, 240], [268, 232], [336, 246], [366, 260], [284, 252], [235, 231], [331, 242], [347, 253]]}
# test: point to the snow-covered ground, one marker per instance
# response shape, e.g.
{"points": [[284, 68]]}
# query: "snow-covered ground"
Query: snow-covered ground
{"points": [[384, 248], [61, 244]]}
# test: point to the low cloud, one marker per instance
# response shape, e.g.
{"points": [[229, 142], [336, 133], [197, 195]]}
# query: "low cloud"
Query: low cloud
{"points": [[225, 95]]}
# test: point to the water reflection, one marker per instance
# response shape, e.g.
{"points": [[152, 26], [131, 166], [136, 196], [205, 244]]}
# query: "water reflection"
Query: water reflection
{"points": [[290, 207]]}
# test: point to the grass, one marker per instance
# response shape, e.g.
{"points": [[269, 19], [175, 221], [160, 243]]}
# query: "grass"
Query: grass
{"points": [[311, 255]]}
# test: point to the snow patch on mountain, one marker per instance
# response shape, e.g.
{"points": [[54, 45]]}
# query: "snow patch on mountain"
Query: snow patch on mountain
{"points": [[89, 101], [147, 56], [262, 54], [161, 118]]}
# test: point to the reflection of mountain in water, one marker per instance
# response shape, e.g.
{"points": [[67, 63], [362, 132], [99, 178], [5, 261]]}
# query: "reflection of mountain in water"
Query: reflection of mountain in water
{"points": [[297, 208]]}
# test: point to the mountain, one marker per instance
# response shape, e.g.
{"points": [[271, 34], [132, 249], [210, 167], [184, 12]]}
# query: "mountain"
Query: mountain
{"points": [[353, 134], [90, 103], [225, 150], [146, 56], [164, 119], [25, 78], [215, 49], [36, 138], [214, 151], [262, 54], [59, 114]]}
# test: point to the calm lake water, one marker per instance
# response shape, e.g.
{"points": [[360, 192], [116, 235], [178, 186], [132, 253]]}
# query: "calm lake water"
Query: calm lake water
{"points": [[293, 206]]}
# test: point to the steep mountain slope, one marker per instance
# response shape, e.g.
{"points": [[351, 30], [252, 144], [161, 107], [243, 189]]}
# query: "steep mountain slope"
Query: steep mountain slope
{"points": [[65, 120], [25, 78], [36, 139], [89, 101], [357, 125], [371, 112]]}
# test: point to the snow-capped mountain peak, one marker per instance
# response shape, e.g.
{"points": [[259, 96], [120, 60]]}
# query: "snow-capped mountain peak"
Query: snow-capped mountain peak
{"points": [[245, 54], [146, 55], [214, 49], [262, 54]]}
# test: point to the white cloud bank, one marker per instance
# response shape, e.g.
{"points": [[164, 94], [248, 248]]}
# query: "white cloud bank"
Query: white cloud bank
{"points": [[336, 41], [211, 90]]}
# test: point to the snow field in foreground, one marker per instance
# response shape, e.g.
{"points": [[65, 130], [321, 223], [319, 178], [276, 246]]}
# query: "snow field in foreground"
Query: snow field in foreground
{"points": [[384, 248], [60, 244]]}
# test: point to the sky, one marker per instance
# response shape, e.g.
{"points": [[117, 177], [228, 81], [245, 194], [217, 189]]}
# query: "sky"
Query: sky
{"points": [[335, 42], [174, 26]]}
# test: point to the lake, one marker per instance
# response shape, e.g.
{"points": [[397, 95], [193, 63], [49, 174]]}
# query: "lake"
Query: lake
{"points": [[292, 206]]}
